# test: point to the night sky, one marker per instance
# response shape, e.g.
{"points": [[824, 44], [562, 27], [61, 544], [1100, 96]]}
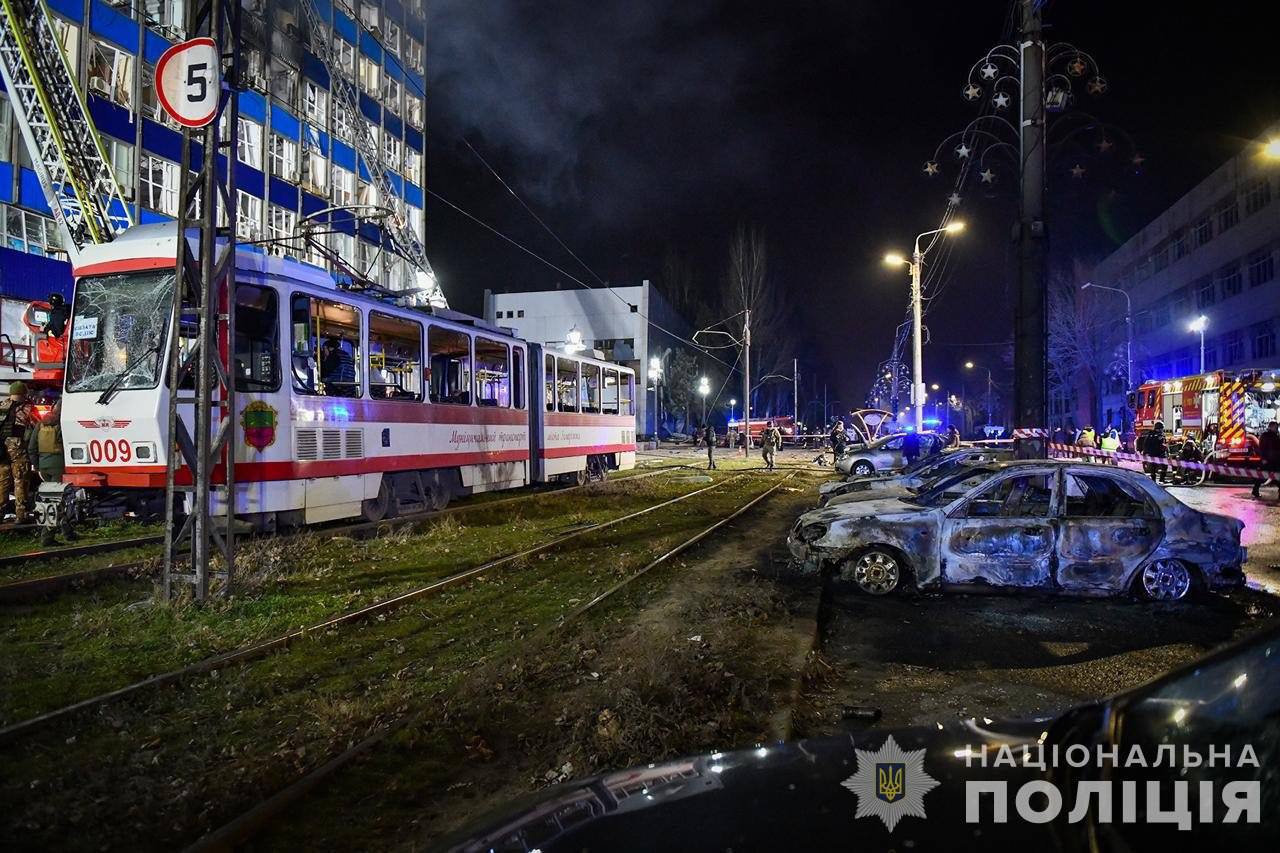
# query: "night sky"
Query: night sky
{"points": [[634, 128]]}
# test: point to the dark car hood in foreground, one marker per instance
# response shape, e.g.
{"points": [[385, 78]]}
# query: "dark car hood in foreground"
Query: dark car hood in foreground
{"points": [[778, 797]]}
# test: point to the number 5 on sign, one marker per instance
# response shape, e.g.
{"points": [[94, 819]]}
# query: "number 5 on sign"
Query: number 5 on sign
{"points": [[188, 81]]}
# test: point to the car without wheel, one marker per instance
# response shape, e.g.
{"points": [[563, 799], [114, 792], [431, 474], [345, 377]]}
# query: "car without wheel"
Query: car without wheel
{"points": [[1066, 527]]}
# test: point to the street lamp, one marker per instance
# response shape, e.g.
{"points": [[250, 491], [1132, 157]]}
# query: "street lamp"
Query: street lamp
{"points": [[1128, 323], [969, 365], [917, 343], [655, 374], [704, 388], [1199, 324], [732, 409], [1272, 149], [573, 341]]}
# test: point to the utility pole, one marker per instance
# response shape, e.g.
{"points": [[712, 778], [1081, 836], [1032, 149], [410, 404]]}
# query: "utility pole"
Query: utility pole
{"points": [[795, 394], [917, 345], [746, 380], [1030, 327]]}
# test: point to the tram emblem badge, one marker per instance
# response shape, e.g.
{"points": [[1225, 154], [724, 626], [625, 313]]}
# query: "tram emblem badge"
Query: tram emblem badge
{"points": [[259, 422]]}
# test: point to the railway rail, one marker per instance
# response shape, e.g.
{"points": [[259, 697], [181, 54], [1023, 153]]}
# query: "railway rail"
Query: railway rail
{"points": [[33, 589], [251, 823], [244, 654]]}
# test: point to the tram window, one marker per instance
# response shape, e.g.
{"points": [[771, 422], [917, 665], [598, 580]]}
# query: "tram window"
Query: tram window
{"points": [[609, 400], [257, 339], [326, 347], [517, 378], [627, 389], [591, 388], [567, 384], [395, 358], [450, 354], [493, 373], [549, 383]]}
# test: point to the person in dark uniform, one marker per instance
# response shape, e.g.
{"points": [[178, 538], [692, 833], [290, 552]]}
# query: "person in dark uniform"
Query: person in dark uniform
{"points": [[337, 367], [770, 443], [17, 414], [59, 314], [709, 439], [1269, 450]]}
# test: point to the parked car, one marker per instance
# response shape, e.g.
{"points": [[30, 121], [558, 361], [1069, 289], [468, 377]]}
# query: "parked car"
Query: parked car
{"points": [[1063, 526], [914, 476], [884, 454], [806, 795]]}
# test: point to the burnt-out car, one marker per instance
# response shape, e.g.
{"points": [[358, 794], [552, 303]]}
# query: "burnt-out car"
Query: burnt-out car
{"points": [[1068, 527], [915, 476], [843, 793]]}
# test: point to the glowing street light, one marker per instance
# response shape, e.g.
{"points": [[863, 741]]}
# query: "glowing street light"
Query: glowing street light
{"points": [[1272, 149], [969, 365], [704, 388], [1199, 324], [655, 374], [917, 345]]}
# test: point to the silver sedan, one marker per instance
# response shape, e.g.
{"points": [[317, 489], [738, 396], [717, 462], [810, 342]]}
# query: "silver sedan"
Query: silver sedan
{"points": [[913, 477], [1065, 527]]}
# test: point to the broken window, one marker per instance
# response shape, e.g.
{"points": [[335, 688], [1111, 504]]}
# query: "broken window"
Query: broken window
{"points": [[1095, 496], [591, 388], [493, 374], [450, 354], [111, 73], [257, 339], [395, 358], [326, 347], [609, 399], [119, 330], [1025, 496], [566, 385]]}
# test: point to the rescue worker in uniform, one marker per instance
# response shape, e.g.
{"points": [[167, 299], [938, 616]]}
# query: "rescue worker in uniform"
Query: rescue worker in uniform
{"points": [[770, 443], [16, 417], [59, 313], [44, 448], [953, 437], [709, 439], [839, 438], [1269, 451]]}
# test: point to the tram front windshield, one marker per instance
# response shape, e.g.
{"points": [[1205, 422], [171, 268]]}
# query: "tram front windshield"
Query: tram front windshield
{"points": [[118, 329]]}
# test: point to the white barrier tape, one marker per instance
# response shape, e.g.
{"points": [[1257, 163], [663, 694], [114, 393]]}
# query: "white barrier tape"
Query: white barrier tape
{"points": [[1245, 472], [1031, 432]]}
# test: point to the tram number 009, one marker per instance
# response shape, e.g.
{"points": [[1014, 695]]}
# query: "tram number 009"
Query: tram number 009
{"points": [[117, 450]]}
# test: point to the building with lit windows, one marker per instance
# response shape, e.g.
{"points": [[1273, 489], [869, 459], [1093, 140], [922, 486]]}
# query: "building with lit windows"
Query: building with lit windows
{"points": [[1212, 253], [296, 154]]}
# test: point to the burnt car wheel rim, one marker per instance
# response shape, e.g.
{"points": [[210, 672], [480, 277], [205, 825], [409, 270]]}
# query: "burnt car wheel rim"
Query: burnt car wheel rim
{"points": [[876, 573], [1166, 580]]}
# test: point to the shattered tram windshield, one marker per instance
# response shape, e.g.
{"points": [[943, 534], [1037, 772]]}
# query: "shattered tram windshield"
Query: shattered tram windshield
{"points": [[118, 330]]}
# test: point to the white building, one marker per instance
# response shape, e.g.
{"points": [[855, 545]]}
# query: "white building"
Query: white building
{"points": [[624, 323]]}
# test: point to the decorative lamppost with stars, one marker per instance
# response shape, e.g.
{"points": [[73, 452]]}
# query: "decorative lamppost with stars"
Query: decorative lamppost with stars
{"points": [[1041, 80]]}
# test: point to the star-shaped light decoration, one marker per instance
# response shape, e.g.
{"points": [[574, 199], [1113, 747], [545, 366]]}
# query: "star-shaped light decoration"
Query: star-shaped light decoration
{"points": [[931, 168], [953, 199], [963, 151], [1138, 159], [988, 71], [1104, 145], [1077, 171], [971, 92], [1077, 67], [1097, 86], [988, 176], [1001, 100]]}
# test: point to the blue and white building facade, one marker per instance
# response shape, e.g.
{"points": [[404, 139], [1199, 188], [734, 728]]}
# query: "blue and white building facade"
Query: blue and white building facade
{"points": [[295, 143]]}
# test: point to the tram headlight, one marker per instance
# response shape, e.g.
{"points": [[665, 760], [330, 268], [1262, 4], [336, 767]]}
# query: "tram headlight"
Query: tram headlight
{"points": [[79, 453], [144, 451]]}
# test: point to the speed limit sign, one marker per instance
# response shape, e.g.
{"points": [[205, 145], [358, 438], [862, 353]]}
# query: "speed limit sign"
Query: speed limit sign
{"points": [[188, 81]]}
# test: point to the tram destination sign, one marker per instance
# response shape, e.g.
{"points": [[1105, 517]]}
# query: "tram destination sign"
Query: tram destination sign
{"points": [[189, 81]]}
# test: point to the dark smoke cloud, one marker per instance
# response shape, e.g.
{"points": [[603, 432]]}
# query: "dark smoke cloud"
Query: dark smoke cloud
{"points": [[605, 106]]}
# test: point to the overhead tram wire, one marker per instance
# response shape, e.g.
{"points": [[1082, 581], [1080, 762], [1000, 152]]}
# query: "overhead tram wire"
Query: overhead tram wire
{"points": [[404, 73]]}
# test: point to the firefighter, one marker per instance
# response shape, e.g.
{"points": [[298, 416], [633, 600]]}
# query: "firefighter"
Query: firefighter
{"points": [[1156, 445], [59, 313], [709, 439], [16, 417], [770, 443], [1269, 450], [839, 438], [44, 447]]}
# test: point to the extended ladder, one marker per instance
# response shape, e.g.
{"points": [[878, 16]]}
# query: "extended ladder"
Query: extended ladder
{"points": [[404, 241], [68, 155]]}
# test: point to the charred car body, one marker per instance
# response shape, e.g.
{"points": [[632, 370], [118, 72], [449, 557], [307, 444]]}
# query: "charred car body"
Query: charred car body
{"points": [[914, 477], [1066, 527]]}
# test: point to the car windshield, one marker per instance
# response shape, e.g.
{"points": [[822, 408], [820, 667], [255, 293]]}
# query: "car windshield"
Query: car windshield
{"points": [[947, 488], [118, 330]]}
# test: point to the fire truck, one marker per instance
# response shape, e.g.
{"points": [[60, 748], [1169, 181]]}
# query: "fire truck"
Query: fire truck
{"points": [[786, 425], [1224, 410]]}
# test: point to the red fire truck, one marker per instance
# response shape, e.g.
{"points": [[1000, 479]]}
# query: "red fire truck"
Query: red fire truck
{"points": [[1228, 408], [785, 424]]}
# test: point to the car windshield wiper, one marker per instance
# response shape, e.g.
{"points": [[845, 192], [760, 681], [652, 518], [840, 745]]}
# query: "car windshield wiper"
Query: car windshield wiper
{"points": [[114, 388]]}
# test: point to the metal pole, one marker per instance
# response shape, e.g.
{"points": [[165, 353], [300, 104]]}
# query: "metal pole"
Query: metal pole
{"points": [[746, 380], [1202, 350], [917, 344], [795, 394], [1030, 394], [989, 397]]}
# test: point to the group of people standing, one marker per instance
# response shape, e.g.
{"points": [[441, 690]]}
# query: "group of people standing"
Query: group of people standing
{"points": [[770, 444]]}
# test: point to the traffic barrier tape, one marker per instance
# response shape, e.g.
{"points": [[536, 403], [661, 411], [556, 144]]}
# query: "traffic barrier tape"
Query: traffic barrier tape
{"points": [[1246, 472]]}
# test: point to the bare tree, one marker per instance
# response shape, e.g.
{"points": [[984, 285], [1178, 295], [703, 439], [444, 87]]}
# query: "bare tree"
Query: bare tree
{"points": [[1082, 347], [748, 286]]}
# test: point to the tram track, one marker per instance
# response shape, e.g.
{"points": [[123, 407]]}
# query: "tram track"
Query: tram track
{"points": [[244, 654], [37, 588], [251, 823]]}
